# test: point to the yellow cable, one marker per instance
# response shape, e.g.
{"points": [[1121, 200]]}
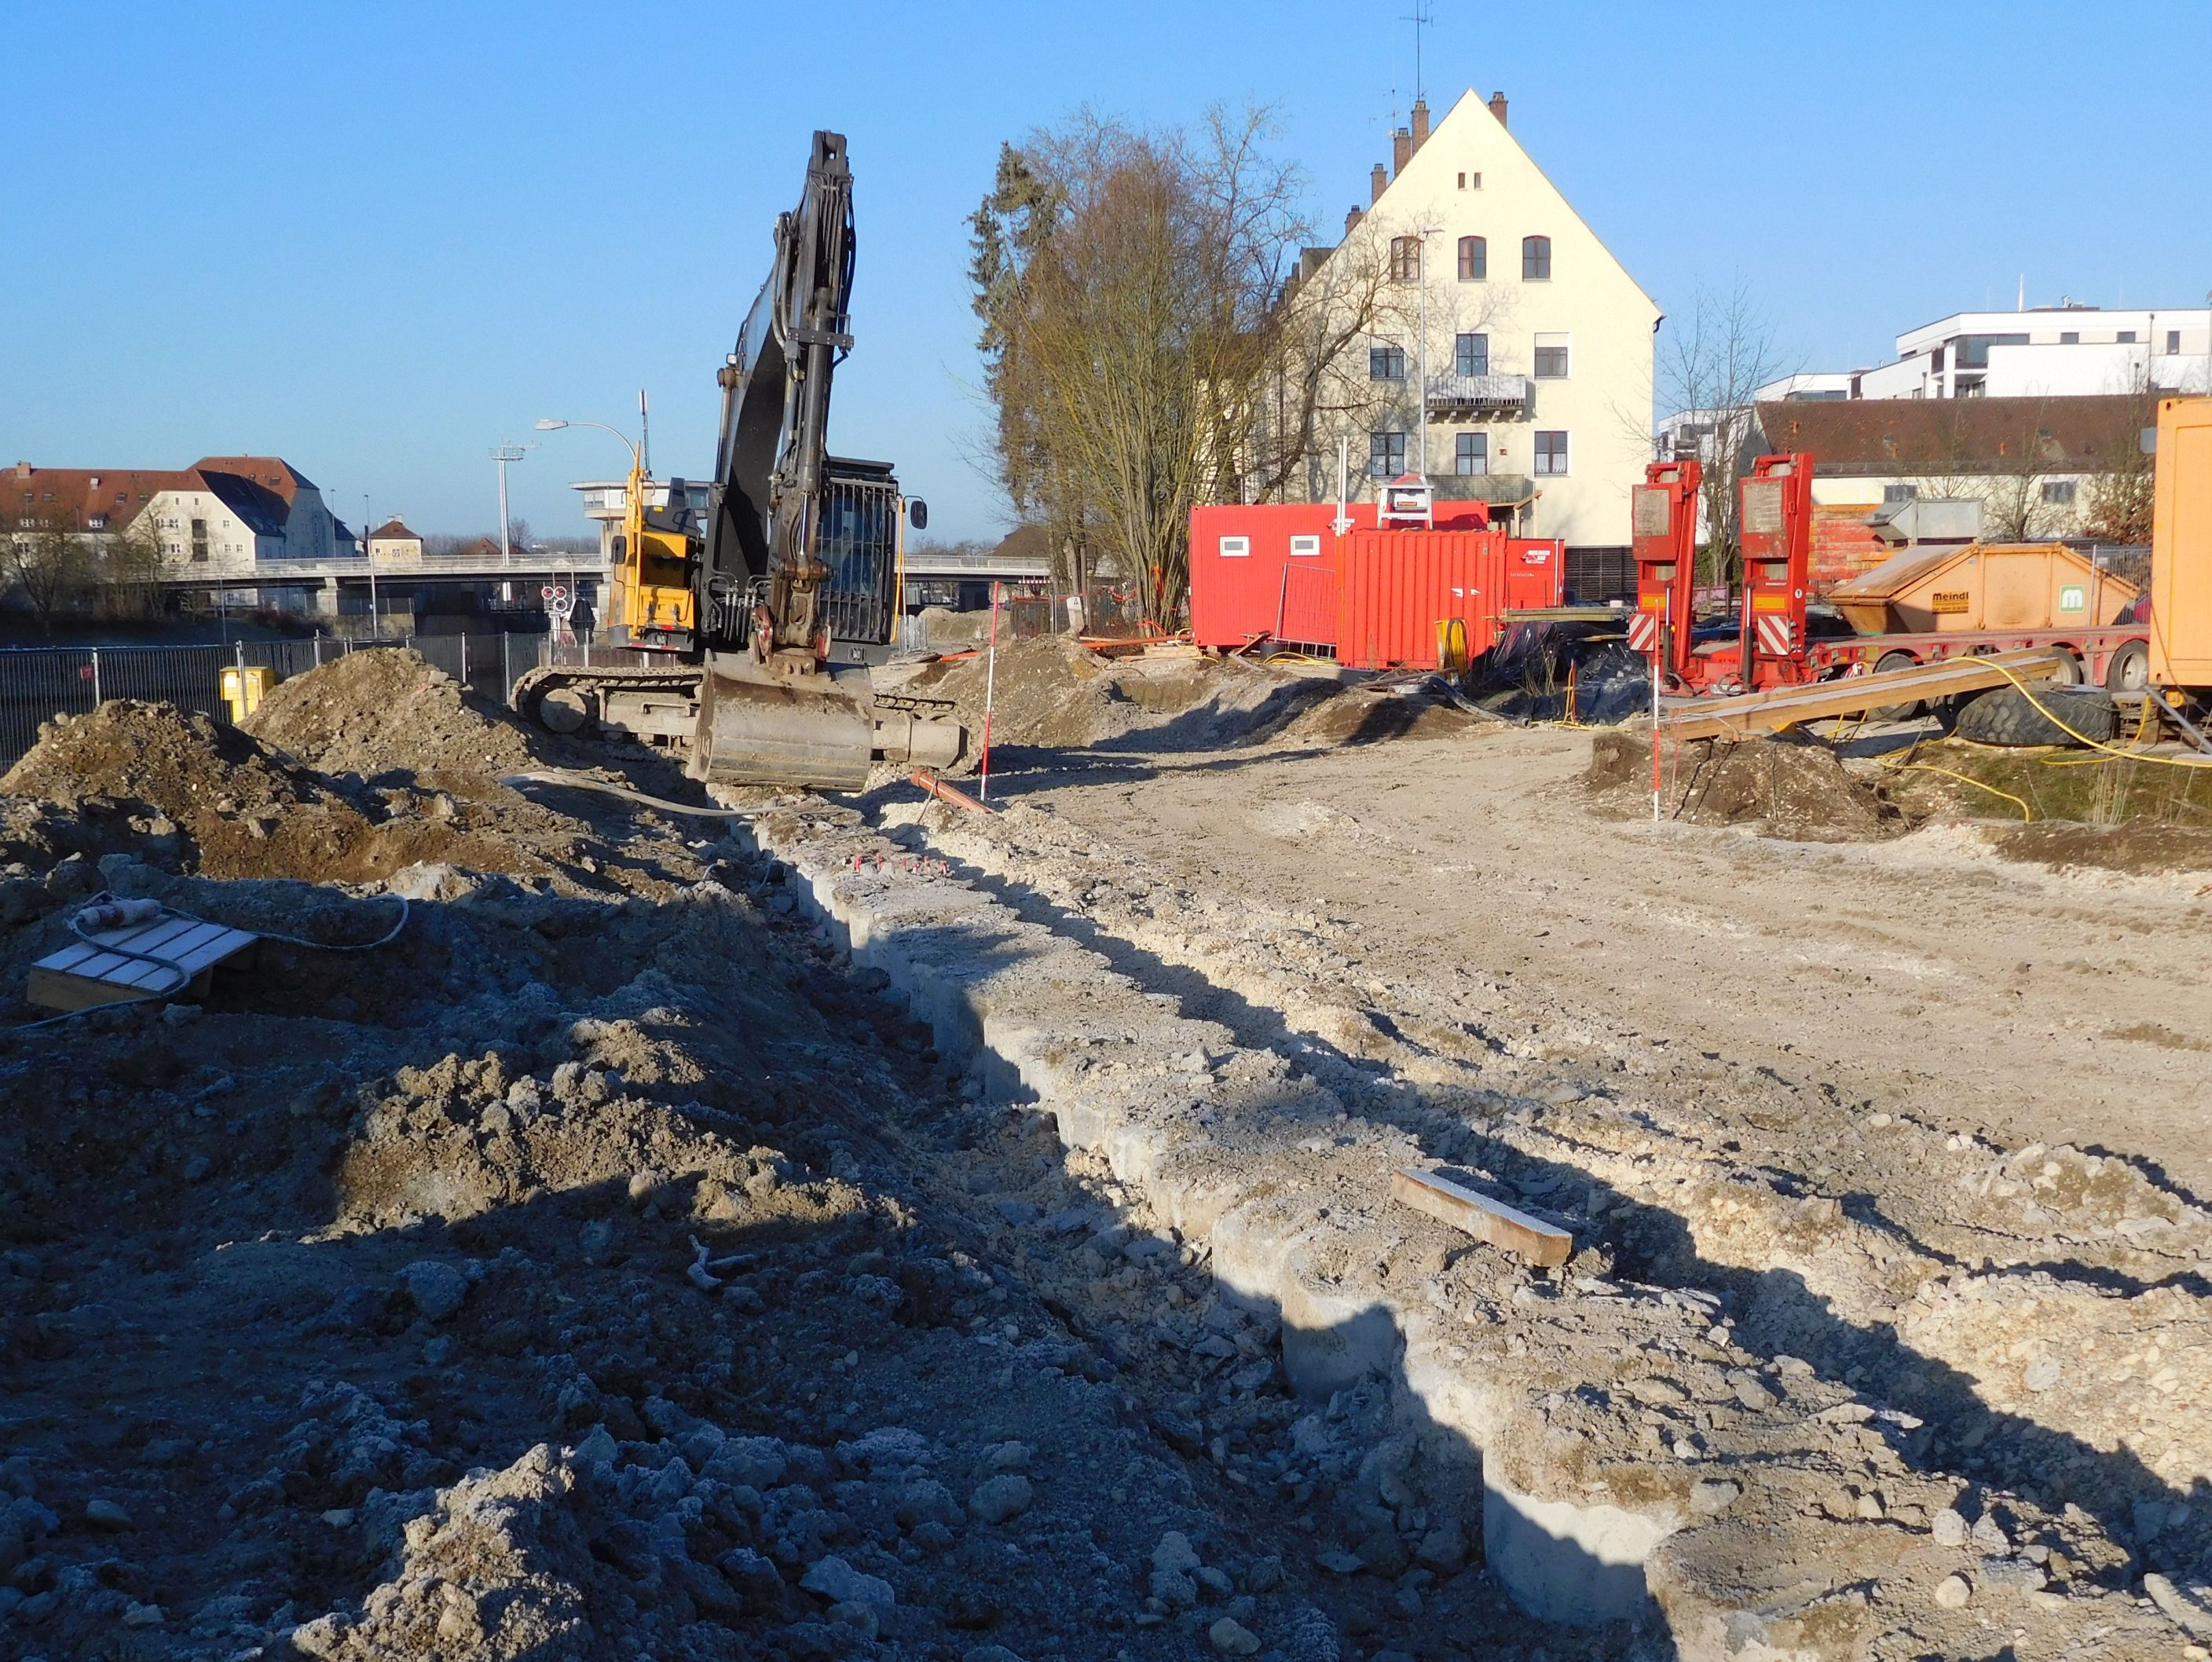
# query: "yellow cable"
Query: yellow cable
{"points": [[2026, 812], [2028, 694]]}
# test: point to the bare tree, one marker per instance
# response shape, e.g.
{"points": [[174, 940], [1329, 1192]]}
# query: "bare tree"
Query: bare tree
{"points": [[1709, 368], [127, 570], [2117, 505], [51, 565], [1127, 279], [1960, 459]]}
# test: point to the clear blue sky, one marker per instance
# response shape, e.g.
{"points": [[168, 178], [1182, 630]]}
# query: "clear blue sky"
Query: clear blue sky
{"points": [[378, 240]]}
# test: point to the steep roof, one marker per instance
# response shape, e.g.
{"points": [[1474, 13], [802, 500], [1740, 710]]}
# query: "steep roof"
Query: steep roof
{"points": [[272, 473], [392, 530], [1956, 435], [262, 509], [74, 496]]}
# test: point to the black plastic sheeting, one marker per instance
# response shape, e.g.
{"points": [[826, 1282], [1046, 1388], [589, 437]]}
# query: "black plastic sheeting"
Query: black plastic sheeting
{"points": [[1526, 679]]}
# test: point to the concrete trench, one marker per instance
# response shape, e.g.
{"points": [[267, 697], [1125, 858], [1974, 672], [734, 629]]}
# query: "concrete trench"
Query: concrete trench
{"points": [[1586, 1516]]}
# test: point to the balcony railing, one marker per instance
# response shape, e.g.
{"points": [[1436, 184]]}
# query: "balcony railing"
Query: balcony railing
{"points": [[1479, 394]]}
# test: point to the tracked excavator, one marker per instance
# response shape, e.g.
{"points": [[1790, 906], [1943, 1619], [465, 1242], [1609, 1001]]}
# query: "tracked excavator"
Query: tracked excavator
{"points": [[746, 642]]}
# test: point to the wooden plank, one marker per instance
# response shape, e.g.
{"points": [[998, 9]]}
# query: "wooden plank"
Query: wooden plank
{"points": [[1502, 1226], [1765, 711]]}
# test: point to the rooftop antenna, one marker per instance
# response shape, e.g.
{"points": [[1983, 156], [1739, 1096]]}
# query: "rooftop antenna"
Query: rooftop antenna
{"points": [[1420, 17]]}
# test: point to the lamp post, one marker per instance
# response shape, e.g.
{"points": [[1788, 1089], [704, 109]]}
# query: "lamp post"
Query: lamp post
{"points": [[368, 553], [503, 454]]}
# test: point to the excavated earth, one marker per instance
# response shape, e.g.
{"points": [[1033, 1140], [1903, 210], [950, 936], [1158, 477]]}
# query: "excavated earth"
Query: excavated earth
{"points": [[878, 1233]]}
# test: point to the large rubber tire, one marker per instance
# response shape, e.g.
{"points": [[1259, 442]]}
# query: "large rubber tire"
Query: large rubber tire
{"points": [[2129, 671], [2006, 715], [1895, 660]]}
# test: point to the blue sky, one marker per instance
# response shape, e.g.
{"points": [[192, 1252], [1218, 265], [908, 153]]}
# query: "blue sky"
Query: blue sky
{"points": [[379, 240]]}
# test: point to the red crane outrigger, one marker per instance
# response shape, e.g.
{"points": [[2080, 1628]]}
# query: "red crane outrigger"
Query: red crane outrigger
{"points": [[1776, 506]]}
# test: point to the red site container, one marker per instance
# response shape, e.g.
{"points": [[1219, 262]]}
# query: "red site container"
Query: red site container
{"points": [[1396, 587], [1270, 571]]}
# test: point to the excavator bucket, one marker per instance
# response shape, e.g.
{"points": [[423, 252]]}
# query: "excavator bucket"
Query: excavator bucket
{"points": [[810, 735]]}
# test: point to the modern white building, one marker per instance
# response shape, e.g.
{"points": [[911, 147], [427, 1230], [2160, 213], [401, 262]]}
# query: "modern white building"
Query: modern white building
{"points": [[1536, 342], [2067, 351]]}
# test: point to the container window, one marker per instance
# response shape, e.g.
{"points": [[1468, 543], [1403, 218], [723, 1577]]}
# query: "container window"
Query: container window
{"points": [[1236, 547], [1305, 547]]}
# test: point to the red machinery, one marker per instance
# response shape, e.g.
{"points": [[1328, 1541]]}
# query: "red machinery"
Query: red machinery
{"points": [[1776, 503], [1663, 523]]}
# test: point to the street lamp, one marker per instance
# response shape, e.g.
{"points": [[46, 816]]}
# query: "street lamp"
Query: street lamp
{"points": [[503, 454]]}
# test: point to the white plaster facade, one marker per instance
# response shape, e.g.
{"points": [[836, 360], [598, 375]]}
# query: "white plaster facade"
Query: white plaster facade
{"points": [[1539, 343], [2049, 352]]}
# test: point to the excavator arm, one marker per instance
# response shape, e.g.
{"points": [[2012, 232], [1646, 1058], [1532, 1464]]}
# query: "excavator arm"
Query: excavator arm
{"points": [[763, 572], [771, 709]]}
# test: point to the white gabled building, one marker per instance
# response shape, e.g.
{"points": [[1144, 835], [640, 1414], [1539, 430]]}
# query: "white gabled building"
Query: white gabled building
{"points": [[1539, 343]]}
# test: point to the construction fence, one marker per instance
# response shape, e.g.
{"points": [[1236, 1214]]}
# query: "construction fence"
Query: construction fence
{"points": [[38, 683]]}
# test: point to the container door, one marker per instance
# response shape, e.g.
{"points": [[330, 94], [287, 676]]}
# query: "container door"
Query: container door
{"points": [[2181, 547]]}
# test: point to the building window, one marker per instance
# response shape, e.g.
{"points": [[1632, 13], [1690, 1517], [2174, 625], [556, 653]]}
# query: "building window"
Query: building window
{"points": [[96, 522], [2125, 338], [1470, 181], [1552, 357], [2173, 342], [1386, 363], [1473, 259], [1471, 453], [2069, 337], [1405, 259], [1900, 492], [2058, 492], [1551, 455], [1470, 355], [1386, 454], [1535, 259]]}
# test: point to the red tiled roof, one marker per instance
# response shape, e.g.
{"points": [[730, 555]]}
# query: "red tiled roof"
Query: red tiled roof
{"points": [[392, 529], [74, 496], [272, 473]]}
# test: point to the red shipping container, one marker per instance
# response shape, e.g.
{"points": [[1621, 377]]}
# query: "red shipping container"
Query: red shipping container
{"points": [[1397, 587], [1269, 571]]}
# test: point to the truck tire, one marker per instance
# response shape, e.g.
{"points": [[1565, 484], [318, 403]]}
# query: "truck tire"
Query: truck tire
{"points": [[2006, 715], [1887, 662], [2129, 671], [2068, 670]]}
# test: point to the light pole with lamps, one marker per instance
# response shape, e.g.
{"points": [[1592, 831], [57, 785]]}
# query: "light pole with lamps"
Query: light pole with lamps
{"points": [[503, 454]]}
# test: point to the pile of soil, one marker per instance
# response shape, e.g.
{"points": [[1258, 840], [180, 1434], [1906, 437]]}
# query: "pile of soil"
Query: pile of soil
{"points": [[216, 799], [1045, 691], [389, 710], [1797, 789], [1359, 717], [175, 789]]}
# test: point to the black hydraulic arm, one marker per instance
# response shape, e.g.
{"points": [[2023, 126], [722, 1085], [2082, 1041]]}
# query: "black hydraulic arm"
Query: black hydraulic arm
{"points": [[765, 514]]}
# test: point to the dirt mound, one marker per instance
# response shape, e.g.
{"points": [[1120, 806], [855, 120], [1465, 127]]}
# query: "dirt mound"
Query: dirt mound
{"points": [[177, 788], [1043, 692], [1793, 789], [390, 711], [1358, 717]]}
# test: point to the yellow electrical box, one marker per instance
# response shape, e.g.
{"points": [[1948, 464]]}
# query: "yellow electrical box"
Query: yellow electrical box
{"points": [[244, 687]]}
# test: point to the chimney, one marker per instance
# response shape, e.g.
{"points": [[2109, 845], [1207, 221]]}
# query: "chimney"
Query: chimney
{"points": [[1420, 122], [1497, 107], [23, 469], [1376, 183], [1352, 218], [1402, 151]]}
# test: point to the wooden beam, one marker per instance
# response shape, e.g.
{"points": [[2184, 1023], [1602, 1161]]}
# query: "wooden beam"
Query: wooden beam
{"points": [[1502, 1226], [1787, 706]]}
